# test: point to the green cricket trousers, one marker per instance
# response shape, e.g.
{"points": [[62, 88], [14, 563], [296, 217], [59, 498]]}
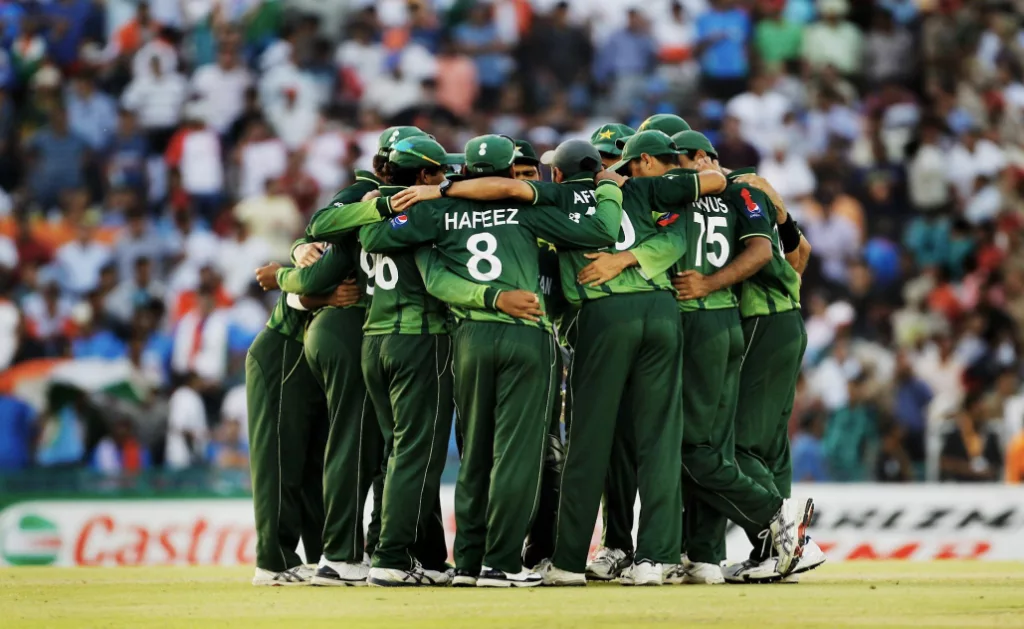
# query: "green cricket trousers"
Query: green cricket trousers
{"points": [[540, 544], [354, 454], [287, 435], [624, 342], [505, 384], [774, 350], [409, 380], [714, 487]]}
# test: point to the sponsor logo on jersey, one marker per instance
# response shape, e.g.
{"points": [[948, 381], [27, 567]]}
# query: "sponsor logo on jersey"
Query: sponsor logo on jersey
{"points": [[399, 221], [667, 219], [753, 209]]}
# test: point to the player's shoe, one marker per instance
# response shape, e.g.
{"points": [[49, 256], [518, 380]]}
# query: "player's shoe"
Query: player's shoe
{"points": [[340, 573], [494, 578], [812, 557], [753, 571], [788, 528], [644, 572], [704, 574], [790, 579], [417, 576], [608, 564], [463, 579], [307, 571], [675, 574], [292, 576], [559, 578]]}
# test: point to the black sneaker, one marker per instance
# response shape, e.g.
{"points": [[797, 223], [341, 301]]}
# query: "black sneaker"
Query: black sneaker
{"points": [[337, 573], [493, 578]]}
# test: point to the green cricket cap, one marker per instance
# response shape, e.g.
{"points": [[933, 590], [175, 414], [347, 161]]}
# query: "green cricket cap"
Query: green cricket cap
{"points": [[392, 135], [694, 141], [527, 154], [573, 157], [605, 137], [669, 124], [491, 154], [650, 142], [419, 151]]}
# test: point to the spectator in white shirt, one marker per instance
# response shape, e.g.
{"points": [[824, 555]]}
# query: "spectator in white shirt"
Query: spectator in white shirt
{"points": [[187, 431], [926, 173], [973, 157], [294, 119], [81, 259], [238, 256], [156, 98], [221, 87], [327, 154], [761, 113], [393, 93], [236, 409], [10, 322], [261, 156], [201, 342], [361, 55], [8, 254], [160, 49], [198, 158], [834, 41], [789, 173]]}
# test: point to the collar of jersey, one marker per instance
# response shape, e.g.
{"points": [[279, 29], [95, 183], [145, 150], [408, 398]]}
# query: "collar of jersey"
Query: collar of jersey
{"points": [[583, 178], [742, 171], [365, 175], [680, 171]]}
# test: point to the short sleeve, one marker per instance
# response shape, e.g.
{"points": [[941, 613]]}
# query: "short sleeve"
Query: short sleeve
{"points": [[754, 214]]}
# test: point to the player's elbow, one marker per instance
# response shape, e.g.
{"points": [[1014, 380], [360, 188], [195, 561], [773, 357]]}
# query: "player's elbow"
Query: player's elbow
{"points": [[712, 182], [805, 248], [760, 251]]}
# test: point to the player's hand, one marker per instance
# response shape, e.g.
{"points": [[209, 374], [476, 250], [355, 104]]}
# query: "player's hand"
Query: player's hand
{"points": [[521, 304], [604, 268], [372, 194], [691, 285], [411, 196], [760, 183], [610, 175], [308, 254], [346, 294], [267, 276]]}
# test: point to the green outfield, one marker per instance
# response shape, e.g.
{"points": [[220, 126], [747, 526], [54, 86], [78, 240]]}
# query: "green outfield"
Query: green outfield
{"points": [[889, 594]]}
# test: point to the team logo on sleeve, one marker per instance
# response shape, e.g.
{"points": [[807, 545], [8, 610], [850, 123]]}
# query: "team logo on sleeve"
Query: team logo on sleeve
{"points": [[753, 209], [667, 219], [399, 221]]}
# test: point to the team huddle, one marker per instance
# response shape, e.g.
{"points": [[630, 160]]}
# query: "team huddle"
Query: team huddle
{"points": [[443, 292]]}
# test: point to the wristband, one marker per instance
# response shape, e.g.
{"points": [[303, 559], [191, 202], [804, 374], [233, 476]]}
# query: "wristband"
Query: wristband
{"points": [[491, 297], [789, 235]]}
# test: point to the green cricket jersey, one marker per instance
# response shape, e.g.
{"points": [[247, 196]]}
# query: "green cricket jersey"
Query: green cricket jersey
{"points": [[639, 197], [399, 300], [494, 244], [776, 287], [287, 320], [555, 304]]}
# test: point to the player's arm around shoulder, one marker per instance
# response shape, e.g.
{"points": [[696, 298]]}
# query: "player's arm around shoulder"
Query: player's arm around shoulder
{"points": [[482, 189], [401, 231], [333, 221], [327, 272]]}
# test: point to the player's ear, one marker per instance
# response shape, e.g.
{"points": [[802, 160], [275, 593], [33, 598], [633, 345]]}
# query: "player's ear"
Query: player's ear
{"points": [[556, 175]]}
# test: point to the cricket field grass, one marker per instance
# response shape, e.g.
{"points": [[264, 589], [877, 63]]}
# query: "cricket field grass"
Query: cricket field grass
{"points": [[878, 595]]}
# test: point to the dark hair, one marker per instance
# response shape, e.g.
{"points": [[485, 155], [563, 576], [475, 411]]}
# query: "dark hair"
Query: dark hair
{"points": [[468, 173], [586, 165], [397, 176]]}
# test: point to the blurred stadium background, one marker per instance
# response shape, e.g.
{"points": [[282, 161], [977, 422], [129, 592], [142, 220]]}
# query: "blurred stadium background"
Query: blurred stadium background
{"points": [[153, 154]]}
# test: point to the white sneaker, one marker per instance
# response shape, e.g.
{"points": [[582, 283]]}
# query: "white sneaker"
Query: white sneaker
{"points": [[560, 578], [367, 559], [791, 578], [417, 576], [608, 564], [751, 571], [684, 560], [463, 579], [307, 571], [675, 574], [812, 557], [704, 574], [494, 578], [788, 529], [292, 576], [340, 573], [643, 573]]}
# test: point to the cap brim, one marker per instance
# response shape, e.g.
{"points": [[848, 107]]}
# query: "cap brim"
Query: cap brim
{"points": [[609, 148], [455, 159], [547, 157], [526, 161], [619, 165]]}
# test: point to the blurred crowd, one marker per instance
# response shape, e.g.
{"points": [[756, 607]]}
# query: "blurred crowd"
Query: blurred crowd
{"points": [[153, 154]]}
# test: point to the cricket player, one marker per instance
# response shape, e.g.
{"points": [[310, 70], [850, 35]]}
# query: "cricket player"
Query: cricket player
{"points": [[355, 447], [774, 340], [721, 243], [404, 361], [540, 544], [287, 433], [630, 322], [504, 368]]}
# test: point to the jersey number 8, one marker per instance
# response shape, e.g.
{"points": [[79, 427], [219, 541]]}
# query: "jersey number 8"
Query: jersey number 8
{"points": [[483, 247]]}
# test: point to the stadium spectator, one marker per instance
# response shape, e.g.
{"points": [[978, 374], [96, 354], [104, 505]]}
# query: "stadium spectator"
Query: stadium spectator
{"points": [[187, 431], [17, 427], [79, 262], [221, 88], [834, 41], [120, 452], [970, 449]]}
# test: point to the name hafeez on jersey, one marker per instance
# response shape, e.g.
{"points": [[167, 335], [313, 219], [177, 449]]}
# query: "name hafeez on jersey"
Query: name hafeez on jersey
{"points": [[480, 218]]}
